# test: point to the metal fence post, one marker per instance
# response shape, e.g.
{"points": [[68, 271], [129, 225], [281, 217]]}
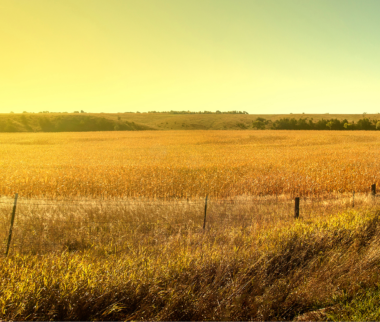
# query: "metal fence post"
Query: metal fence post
{"points": [[12, 222]]}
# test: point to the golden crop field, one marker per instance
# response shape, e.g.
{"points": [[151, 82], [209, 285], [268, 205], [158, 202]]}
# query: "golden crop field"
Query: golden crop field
{"points": [[186, 164], [161, 260]]}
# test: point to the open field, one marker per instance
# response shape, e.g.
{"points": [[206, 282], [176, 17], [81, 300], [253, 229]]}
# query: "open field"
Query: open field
{"points": [[109, 226], [187, 164]]}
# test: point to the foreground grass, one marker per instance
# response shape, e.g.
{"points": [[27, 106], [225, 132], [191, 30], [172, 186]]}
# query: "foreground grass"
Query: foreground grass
{"points": [[273, 274]]}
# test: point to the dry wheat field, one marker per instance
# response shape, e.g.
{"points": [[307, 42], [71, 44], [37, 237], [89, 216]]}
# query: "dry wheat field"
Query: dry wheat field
{"points": [[109, 226], [180, 164]]}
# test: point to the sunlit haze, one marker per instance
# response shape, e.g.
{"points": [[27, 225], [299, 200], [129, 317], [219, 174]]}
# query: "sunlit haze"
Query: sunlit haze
{"points": [[259, 56]]}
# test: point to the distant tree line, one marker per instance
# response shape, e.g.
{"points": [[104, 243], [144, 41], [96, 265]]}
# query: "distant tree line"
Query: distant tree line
{"points": [[200, 112], [309, 124], [166, 112], [47, 112]]}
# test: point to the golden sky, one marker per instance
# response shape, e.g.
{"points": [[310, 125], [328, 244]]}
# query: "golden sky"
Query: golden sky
{"points": [[260, 56]]}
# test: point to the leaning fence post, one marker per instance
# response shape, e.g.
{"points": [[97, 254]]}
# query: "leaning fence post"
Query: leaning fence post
{"points": [[12, 221], [373, 190], [204, 221], [297, 208]]}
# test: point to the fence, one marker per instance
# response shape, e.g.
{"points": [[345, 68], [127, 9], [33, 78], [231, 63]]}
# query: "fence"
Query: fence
{"points": [[42, 225]]}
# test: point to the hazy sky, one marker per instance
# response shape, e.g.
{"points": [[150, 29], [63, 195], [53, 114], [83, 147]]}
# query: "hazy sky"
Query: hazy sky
{"points": [[261, 56]]}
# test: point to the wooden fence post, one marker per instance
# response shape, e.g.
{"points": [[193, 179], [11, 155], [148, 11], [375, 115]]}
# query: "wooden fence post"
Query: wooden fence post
{"points": [[353, 199], [12, 221], [297, 208], [373, 190], [204, 221]]}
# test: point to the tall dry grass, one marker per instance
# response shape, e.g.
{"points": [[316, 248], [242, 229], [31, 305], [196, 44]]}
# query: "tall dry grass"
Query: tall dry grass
{"points": [[253, 262]]}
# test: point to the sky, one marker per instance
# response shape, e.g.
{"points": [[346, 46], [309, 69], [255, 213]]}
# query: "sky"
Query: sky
{"points": [[259, 56]]}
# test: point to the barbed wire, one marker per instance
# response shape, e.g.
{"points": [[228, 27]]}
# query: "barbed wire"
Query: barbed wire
{"points": [[24, 224], [84, 222]]}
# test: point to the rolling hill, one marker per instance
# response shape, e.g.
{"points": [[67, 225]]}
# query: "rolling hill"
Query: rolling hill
{"points": [[76, 122]]}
